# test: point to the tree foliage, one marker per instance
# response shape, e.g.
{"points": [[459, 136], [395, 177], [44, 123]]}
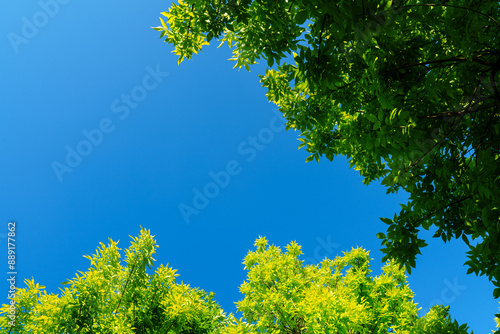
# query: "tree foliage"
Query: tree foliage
{"points": [[407, 90], [281, 296], [335, 296], [112, 297]]}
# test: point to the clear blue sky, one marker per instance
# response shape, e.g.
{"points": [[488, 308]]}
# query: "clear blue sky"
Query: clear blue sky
{"points": [[159, 133]]}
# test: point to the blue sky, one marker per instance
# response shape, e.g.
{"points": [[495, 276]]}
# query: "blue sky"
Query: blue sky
{"points": [[92, 79]]}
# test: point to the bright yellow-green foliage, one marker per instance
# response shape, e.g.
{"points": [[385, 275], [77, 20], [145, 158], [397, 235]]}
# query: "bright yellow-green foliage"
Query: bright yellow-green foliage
{"points": [[281, 296], [175, 19], [335, 296], [407, 90], [113, 298]]}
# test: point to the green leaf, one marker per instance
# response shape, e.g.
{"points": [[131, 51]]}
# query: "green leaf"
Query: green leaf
{"points": [[270, 61], [387, 221], [301, 17], [372, 118], [163, 23]]}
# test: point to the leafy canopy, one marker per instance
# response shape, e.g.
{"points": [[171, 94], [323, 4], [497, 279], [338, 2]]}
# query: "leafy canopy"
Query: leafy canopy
{"points": [[281, 296], [406, 90], [335, 296], [112, 297]]}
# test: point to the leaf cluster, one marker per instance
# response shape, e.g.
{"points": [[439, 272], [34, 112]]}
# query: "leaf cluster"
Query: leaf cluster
{"points": [[281, 296], [112, 297], [406, 90]]}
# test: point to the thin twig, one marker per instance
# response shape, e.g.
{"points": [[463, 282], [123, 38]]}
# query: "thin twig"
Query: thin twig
{"points": [[446, 206], [126, 283], [460, 112], [172, 323], [190, 17], [433, 146], [466, 8], [321, 37]]}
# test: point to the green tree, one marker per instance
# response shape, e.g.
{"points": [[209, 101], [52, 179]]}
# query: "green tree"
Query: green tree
{"points": [[407, 90], [335, 296], [281, 296], [115, 298]]}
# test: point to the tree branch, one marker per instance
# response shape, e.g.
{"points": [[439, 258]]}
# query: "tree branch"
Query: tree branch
{"points": [[460, 112], [190, 17], [321, 37], [437, 61], [433, 146], [446, 206], [171, 324], [126, 283], [453, 6]]}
